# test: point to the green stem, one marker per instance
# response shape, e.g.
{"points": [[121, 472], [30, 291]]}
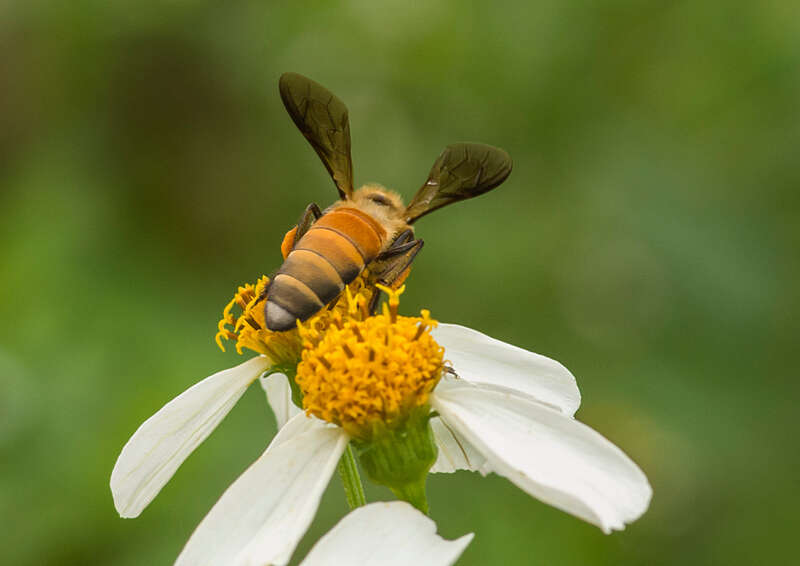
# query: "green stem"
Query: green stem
{"points": [[414, 493], [351, 480]]}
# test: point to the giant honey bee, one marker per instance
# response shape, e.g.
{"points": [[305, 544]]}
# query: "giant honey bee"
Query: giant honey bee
{"points": [[366, 227]]}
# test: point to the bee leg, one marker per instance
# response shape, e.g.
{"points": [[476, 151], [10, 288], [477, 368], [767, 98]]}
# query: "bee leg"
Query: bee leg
{"points": [[373, 302], [263, 294], [311, 214], [404, 236], [396, 262], [404, 242]]}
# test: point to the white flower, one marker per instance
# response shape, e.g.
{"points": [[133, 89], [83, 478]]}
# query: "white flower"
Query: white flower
{"points": [[509, 411]]}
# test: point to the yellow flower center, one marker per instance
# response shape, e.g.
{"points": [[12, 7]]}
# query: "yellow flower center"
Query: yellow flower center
{"points": [[366, 373], [250, 331]]}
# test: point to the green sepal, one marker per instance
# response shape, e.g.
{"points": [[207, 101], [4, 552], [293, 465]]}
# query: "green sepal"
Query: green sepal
{"points": [[351, 480], [399, 456]]}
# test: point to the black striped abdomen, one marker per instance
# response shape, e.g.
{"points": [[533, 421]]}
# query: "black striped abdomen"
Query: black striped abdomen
{"points": [[330, 255]]}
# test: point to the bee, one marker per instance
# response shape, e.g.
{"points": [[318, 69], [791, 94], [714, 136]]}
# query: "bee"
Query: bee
{"points": [[368, 227]]}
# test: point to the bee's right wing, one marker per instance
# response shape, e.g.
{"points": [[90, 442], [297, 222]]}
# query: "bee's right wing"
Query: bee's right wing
{"points": [[462, 171], [322, 118]]}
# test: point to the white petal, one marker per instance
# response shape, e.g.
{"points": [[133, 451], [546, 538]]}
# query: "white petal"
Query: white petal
{"points": [[385, 534], [455, 453], [482, 359], [165, 440], [279, 397], [264, 514], [552, 457]]}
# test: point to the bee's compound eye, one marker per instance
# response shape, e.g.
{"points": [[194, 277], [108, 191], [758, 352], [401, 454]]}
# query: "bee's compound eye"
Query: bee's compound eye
{"points": [[379, 199]]}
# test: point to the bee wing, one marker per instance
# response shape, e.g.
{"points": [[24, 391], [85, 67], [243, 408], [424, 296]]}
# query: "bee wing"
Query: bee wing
{"points": [[322, 119], [462, 171]]}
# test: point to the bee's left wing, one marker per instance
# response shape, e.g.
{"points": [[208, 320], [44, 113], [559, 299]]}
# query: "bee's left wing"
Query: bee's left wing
{"points": [[322, 119], [462, 171]]}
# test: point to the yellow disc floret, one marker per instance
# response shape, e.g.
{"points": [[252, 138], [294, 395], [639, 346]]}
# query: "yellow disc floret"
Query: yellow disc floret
{"points": [[368, 372], [250, 331]]}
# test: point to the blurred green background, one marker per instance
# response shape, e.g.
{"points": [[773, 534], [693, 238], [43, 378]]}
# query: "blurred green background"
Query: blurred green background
{"points": [[647, 239]]}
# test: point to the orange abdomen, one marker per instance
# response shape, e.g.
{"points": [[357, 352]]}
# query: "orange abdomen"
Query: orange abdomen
{"points": [[330, 255]]}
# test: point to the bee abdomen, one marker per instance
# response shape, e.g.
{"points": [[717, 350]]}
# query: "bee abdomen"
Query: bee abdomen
{"points": [[358, 228], [315, 272], [330, 255]]}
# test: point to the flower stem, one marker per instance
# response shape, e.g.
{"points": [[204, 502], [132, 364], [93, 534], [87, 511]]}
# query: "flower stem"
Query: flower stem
{"points": [[414, 493], [351, 480]]}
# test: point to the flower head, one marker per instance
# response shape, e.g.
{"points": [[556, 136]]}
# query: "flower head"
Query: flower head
{"points": [[368, 373]]}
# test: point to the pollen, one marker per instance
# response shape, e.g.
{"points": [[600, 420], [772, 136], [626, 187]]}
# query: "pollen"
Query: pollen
{"points": [[370, 373], [243, 320]]}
